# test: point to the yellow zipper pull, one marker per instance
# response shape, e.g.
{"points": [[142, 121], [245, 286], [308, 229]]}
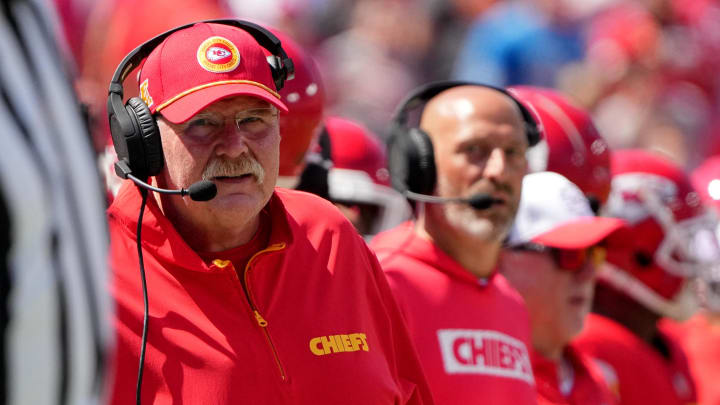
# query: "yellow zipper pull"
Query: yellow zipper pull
{"points": [[260, 320]]}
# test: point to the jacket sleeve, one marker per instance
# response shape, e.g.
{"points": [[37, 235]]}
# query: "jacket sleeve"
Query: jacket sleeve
{"points": [[405, 362]]}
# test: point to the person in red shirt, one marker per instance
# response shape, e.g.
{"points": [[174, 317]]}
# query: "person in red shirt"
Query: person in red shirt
{"points": [[700, 335], [471, 328], [261, 294], [668, 240], [551, 255]]}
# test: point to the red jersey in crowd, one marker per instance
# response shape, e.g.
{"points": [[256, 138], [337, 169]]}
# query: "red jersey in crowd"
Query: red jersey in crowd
{"points": [[310, 318], [636, 371], [472, 335], [701, 341], [583, 383]]}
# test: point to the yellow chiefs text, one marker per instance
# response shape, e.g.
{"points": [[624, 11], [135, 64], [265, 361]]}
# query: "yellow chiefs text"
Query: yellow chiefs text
{"points": [[352, 342]]}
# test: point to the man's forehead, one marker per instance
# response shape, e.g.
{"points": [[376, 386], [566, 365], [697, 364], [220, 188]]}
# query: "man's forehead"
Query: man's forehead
{"points": [[470, 107], [465, 101], [237, 103]]}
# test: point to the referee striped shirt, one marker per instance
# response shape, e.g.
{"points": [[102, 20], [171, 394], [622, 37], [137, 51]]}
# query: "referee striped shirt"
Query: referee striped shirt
{"points": [[53, 236]]}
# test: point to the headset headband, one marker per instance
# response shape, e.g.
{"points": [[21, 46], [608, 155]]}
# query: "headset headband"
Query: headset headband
{"points": [[265, 38], [426, 92]]}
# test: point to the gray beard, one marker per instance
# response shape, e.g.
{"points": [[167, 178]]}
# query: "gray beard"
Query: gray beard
{"points": [[463, 217]]}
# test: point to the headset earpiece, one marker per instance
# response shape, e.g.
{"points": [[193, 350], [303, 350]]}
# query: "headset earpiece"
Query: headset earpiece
{"points": [[149, 133], [411, 161]]}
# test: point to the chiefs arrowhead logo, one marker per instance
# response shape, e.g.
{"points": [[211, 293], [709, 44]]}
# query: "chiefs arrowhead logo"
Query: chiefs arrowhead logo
{"points": [[215, 54], [218, 55]]}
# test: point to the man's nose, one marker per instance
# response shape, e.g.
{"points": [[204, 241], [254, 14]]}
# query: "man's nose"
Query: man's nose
{"points": [[496, 165], [232, 143]]}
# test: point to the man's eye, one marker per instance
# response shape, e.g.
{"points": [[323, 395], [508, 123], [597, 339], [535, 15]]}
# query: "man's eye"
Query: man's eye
{"points": [[474, 150], [255, 125], [200, 122], [248, 120], [201, 127]]}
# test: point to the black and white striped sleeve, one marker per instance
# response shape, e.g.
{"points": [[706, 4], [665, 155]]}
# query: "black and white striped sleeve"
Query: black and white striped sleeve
{"points": [[55, 329]]}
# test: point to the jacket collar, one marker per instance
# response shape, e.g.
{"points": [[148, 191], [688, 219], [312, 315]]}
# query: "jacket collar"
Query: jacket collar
{"points": [[161, 239]]}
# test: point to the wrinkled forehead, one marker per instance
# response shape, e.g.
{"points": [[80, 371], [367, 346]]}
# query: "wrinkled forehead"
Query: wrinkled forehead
{"points": [[232, 105]]}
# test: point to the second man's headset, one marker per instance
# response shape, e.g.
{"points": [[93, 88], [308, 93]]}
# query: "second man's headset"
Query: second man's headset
{"points": [[134, 131], [411, 159]]}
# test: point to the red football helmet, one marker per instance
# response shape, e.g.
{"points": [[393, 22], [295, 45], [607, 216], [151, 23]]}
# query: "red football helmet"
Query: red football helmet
{"points": [[669, 239], [571, 144], [304, 96], [359, 176]]}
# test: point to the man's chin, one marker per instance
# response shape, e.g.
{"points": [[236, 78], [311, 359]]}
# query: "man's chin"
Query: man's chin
{"points": [[234, 202], [478, 225]]}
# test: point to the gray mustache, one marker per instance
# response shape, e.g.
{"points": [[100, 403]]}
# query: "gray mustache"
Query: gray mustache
{"points": [[244, 164]]}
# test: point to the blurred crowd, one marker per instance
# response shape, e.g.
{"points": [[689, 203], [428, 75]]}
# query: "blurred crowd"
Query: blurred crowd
{"points": [[644, 68]]}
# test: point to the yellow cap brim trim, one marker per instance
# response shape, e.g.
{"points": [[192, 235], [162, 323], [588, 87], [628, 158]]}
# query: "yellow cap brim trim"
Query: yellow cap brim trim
{"points": [[218, 83]]}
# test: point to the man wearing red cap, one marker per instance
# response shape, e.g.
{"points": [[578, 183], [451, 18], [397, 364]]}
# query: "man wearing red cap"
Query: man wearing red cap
{"points": [[250, 299], [551, 258]]}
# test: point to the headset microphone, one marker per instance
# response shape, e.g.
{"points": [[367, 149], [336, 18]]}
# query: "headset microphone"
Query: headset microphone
{"points": [[480, 201], [203, 190]]}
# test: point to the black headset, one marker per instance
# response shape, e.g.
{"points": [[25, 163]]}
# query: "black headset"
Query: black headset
{"points": [[411, 160], [134, 131]]}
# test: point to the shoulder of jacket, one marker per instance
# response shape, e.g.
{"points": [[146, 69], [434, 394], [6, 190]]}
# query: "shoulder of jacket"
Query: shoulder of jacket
{"points": [[310, 210]]}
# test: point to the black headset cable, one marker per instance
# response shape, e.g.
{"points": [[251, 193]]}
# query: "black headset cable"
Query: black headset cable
{"points": [[146, 316]]}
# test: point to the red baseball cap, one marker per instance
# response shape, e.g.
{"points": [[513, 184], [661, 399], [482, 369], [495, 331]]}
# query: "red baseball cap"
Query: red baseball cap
{"points": [[197, 66], [554, 212]]}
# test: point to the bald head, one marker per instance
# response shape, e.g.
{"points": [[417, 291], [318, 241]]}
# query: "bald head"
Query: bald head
{"points": [[456, 106]]}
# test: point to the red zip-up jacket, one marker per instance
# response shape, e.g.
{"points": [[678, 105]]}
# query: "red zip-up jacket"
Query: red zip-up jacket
{"points": [[588, 386], [473, 336], [309, 320]]}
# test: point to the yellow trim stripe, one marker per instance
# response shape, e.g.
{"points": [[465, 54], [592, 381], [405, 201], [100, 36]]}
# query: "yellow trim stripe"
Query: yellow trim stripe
{"points": [[218, 83]]}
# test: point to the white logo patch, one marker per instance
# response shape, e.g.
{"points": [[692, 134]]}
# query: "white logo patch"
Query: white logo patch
{"points": [[216, 53], [467, 351]]}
